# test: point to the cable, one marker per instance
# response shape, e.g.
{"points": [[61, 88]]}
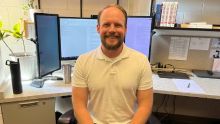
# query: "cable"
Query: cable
{"points": [[172, 66], [156, 69], [157, 109], [174, 104], [166, 109], [166, 104]]}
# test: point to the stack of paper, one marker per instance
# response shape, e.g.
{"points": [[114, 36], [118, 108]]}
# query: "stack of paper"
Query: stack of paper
{"points": [[215, 26], [188, 86], [197, 25]]}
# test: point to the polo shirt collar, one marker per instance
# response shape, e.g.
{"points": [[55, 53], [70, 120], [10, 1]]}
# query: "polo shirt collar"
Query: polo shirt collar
{"points": [[101, 56]]}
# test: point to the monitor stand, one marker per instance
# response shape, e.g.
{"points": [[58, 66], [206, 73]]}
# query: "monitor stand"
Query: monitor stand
{"points": [[39, 82], [53, 77], [206, 74]]}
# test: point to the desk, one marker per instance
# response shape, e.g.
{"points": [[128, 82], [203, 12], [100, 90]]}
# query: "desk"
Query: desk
{"points": [[160, 85], [167, 86], [190, 104], [34, 105], [50, 89], [54, 89]]}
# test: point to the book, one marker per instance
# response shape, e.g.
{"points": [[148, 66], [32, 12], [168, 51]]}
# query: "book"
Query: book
{"points": [[214, 26], [168, 14], [158, 14], [163, 14], [196, 25], [174, 7]]}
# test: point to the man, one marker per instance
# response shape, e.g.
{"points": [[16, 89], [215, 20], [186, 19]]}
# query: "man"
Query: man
{"points": [[112, 84]]}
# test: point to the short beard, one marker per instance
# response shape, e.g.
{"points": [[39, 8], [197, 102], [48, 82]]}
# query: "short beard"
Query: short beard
{"points": [[112, 47]]}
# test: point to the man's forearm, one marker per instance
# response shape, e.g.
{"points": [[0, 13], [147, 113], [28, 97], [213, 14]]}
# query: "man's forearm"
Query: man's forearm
{"points": [[83, 116], [145, 102], [79, 100], [141, 116]]}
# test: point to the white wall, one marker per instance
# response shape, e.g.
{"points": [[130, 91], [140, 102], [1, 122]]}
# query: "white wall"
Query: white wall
{"points": [[137, 7], [71, 8], [61, 7], [11, 13]]}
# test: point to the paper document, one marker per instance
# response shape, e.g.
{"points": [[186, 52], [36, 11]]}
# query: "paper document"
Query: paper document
{"points": [[179, 48], [216, 65], [188, 86], [199, 43], [214, 52], [215, 42]]}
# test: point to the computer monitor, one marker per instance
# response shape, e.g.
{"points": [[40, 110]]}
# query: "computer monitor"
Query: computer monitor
{"points": [[78, 36], [139, 32], [48, 43]]}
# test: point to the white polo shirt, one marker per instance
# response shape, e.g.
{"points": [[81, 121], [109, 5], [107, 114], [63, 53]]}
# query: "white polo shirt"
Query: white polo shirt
{"points": [[112, 83]]}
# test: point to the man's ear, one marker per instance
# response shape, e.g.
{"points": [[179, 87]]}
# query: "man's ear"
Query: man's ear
{"points": [[98, 28]]}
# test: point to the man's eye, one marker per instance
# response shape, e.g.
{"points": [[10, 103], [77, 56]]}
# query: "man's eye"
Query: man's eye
{"points": [[106, 25], [118, 25]]}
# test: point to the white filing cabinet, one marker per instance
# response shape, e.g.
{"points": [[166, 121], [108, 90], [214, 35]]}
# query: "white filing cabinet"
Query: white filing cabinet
{"points": [[1, 119], [39, 111]]}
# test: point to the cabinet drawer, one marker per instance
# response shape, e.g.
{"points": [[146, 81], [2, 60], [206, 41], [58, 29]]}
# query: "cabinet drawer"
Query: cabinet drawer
{"points": [[1, 119], [29, 112]]}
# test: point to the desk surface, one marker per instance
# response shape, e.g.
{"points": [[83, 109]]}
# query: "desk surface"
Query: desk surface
{"points": [[160, 85], [167, 86], [50, 89]]}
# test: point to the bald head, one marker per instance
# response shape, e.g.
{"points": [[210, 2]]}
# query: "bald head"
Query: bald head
{"points": [[116, 7]]}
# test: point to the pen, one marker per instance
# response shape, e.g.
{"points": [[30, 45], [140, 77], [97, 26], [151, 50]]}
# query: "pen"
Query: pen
{"points": [[188, 86]]}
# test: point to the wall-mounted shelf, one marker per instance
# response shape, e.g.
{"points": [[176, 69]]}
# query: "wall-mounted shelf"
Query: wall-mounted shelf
{"points": [[194, 32]]}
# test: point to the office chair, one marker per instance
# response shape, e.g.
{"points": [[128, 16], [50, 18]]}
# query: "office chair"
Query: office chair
{"points": [[68, 118]]}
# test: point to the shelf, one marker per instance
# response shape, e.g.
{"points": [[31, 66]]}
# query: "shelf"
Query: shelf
{"points": [[191, 29], [194, 32]]}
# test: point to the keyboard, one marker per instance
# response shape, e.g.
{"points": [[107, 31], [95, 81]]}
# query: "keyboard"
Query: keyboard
{"points": [[206, 74], [175, 75]]}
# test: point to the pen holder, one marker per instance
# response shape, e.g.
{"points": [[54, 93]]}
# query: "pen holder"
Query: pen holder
{"points": [[67, 73], [15, 76]]}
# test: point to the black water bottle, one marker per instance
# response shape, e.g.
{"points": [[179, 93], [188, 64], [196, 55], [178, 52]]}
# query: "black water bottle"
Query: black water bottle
{"points": [[15, 76]]}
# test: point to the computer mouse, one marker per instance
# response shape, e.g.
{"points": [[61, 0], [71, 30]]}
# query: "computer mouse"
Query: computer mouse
{"points": [[59, 78], [210, 72]]}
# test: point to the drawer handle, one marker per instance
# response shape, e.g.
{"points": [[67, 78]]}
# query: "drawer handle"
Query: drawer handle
{"points": [[28, 104]]}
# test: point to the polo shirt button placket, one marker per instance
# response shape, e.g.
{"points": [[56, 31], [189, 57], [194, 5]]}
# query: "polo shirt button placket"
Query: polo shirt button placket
{"points": [[113, 69]]}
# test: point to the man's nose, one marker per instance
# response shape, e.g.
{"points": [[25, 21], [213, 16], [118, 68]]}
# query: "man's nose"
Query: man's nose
{"points": [[112, 28]]}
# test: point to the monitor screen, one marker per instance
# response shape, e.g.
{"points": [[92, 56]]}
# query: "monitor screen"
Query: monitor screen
{"points": [[78, 36], [48, 43], [138, 34]]}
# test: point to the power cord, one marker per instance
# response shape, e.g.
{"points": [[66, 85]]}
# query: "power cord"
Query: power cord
{"points": [[163, 107], [159, 67]]}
